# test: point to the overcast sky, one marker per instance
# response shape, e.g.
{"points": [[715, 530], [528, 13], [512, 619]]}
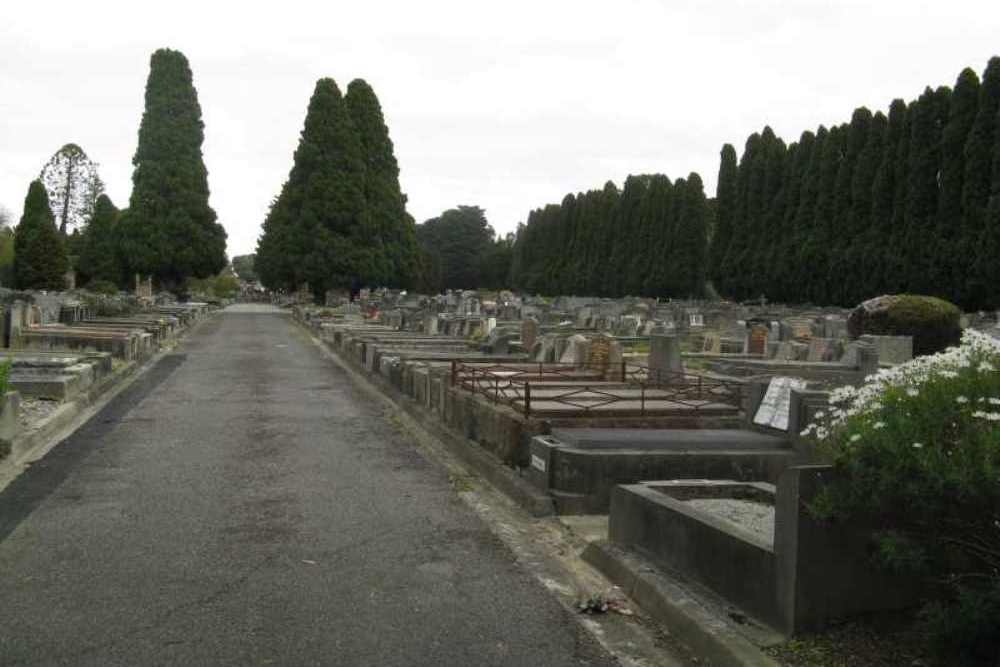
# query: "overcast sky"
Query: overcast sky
{"points": [[507, 105]]}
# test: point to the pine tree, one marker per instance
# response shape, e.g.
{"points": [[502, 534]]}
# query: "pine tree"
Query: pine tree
{"points": [[100, 256], [40, 260], [170, 231], [395, 249], [807, 243], [725, 197]]}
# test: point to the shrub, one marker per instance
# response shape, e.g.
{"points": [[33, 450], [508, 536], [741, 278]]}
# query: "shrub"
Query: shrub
{"points": [[918, 449], [105, 287], [933, 323], [5, 367]]}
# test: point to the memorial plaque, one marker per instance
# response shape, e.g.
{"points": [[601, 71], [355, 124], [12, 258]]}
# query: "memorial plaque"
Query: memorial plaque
{"points": [[773, 409], [758, 340]]}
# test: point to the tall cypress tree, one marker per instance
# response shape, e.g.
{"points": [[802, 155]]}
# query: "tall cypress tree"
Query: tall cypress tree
{"points": [[784, 271], [953, 246], [976, 186], [725, 198], [318, 232], [40, 260], [920, 236], [691, 238], [100, 255], [170, 231], [863, 252], [395, 247], [845, 227]]}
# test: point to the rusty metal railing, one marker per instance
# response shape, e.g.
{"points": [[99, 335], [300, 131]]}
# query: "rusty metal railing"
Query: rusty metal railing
{"points": [[576, 388]]}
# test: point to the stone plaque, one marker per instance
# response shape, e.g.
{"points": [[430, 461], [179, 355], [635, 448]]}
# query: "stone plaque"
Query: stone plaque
{"points": [[773, 409]]}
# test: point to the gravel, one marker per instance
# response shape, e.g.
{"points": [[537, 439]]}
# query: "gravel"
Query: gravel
{"points": [[34, 410], [747, 514]]}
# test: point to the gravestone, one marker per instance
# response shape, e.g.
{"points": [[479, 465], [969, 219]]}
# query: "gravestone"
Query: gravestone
{"points": [[576, 352], [529, 332], [758, 339], [431, 324], [821, 349], [712, 343], [665, 354], [891, 349], [774, 408]]}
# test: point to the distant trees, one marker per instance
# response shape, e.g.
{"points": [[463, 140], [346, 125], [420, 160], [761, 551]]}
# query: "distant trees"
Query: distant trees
{"points": [[649, 239], [340, 218], [39, 255], [243, 265], [896, 202], [460, 252], [169, 230], [73, 186]]}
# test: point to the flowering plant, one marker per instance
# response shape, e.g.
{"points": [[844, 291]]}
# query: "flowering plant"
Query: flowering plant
{"points": [[918, 452]]}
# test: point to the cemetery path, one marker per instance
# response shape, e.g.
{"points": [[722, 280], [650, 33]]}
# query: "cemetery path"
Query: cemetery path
{"points": [[242, 503]]}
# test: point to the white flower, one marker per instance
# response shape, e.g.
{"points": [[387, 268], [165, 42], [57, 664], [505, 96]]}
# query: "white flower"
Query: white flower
{"points": [[878, 425], [961, 399], [951, 375], [912, 392], [918, 445], [994, 401], [820, 414], [986, 367], [821, 433], [855, 437]]}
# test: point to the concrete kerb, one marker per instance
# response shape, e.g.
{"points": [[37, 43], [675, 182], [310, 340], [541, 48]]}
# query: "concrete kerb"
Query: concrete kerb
{"points": [[72, 415], [701, 629], [504, 479]]}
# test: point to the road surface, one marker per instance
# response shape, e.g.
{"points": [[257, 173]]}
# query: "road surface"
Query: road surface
{"points": [[243, 504]]}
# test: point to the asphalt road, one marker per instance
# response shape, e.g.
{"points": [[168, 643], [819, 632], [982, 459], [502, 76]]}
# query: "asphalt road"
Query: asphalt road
{"points": [[243, 504]]}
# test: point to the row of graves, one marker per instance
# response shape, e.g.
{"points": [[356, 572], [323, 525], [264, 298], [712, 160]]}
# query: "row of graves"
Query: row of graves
{"points": [[69, 347], [673, 426]]}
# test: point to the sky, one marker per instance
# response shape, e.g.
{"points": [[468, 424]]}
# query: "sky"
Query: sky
{"points": [[505, 105]]}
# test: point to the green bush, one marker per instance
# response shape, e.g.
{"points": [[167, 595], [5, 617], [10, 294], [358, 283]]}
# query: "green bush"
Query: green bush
{"points": [[105, 287], [5, 367], [933, 323], [918, 452]]}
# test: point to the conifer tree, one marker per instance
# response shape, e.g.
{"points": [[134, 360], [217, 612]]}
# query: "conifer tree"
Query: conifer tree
{"points": [[319, 232], [976, 186], [691, 238], [863, 252], [100, 255], [725, 197], [786, 248], [170, 231], [919, 240], [40, 260], [395, 247]]}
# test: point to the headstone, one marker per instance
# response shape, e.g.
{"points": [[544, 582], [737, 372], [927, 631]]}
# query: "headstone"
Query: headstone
{"points": [[820, 349], [891, 349], [758, 339], [665, 354], [431, 324], [712, 343], [576, 351], [774, 408], [489, 325], [599, 352], [529, 332]]}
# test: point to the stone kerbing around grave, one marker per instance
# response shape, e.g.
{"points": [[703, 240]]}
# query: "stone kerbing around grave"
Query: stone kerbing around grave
{"points": [[805, 575]]}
